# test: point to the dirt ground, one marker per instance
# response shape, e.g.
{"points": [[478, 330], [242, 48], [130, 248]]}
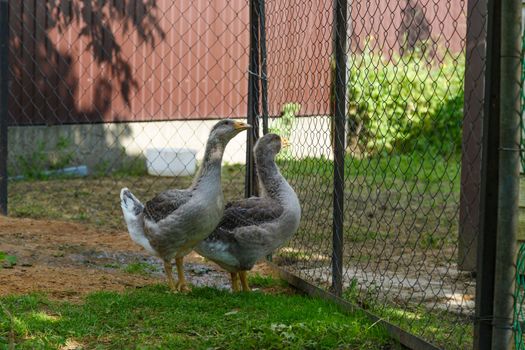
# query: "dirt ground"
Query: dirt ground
{"points": [[67, 260]]}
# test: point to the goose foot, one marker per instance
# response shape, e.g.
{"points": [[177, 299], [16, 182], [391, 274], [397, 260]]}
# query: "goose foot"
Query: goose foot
{"points": [[181, 285], [244, 281], [235, 282], [169, 276]]}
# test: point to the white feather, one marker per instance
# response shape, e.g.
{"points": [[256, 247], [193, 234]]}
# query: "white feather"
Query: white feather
{"points": [[134, 221]]}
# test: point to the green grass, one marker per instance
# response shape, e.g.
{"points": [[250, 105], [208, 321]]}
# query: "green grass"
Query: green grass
{"points": [[154, 318], [442, 328], [139, 268], [386, 170], [407, 204], [94, 200], [445, 329], [428, 179], [263, 281]]}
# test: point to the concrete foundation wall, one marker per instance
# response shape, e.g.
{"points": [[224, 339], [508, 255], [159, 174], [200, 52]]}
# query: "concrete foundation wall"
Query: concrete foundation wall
{"points": [[108, 146]]}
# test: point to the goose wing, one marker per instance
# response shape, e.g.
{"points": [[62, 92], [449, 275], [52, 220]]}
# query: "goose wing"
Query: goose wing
{"points": [[165, 203], [250, 211], [242, 218]]}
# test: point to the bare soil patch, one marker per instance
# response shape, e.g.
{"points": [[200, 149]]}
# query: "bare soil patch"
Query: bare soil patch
{"points": [[68, 260]]}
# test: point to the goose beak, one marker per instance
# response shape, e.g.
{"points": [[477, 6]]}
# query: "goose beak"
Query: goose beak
{"points": [[241, 126], [285, 142]]}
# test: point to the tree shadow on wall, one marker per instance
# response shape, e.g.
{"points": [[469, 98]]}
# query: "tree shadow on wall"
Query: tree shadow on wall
{"points": [[69, 64], [52, 40]]}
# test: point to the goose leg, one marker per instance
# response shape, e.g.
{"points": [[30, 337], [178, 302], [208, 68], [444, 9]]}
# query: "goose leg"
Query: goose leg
{"points": [[181, 284], [169, 275], [244, 281], [235, 281]]}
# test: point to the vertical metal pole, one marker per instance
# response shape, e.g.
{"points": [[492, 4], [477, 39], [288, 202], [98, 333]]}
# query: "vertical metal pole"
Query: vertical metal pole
{"points": [[340, 26], [509, 174], [476, 69], [253, 101], [264, 77], [4, 92], [486, 256]]}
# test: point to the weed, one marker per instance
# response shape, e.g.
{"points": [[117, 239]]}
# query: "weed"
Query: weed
{"points": [[139, 268], [81, 217], [263, 281], [430, 241], [40, 163], [111, 266], [284, 125], [351, 293], [7, 260]]}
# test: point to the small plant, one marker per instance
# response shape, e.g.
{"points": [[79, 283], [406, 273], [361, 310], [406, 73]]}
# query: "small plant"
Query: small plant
{"points": [[135, 166], [111, 266], [63, 155], [38, 164], [33, 165], [430, 241], [7, 260], [140, 268], [351, 293], [102, 168], [259, 280], [285, 124], [80, 216]]}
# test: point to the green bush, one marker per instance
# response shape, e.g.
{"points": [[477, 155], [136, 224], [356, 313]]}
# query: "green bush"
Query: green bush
{"points": [[406, 103], [285, 124], [35, 164]]}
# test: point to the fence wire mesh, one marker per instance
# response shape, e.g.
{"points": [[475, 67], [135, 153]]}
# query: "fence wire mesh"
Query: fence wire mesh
{"points": [[108, 94], [115, 90], [519, 299], [522, 97], [408, 245], [519, 294]]}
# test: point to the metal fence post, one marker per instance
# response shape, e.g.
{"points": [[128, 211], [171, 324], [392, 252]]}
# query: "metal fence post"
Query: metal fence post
{"points": [[509, 173], [264, 69], [4, 92], [486, 255], [264, 75], [340, 25], [253, 100], [476, 70]]}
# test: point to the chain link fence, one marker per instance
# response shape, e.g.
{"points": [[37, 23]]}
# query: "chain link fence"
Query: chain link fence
{"points": [[519, 299], [406, 97], [388, 96], [519, 293], [110, 91]]}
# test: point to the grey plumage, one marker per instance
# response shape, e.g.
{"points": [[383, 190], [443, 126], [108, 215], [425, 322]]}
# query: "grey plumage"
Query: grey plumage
{"points": [[174, 221], [166, 203], [254, 227]]}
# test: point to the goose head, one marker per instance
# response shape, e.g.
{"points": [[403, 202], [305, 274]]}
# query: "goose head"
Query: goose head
{"points": [[269, 146], [226, 129]]}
